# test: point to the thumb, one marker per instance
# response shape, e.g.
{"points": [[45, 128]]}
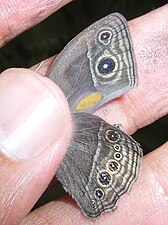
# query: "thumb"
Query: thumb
{"points": [[35, 128]]}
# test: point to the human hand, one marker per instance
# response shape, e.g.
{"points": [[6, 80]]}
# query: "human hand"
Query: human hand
{"points": [[22, 182]]}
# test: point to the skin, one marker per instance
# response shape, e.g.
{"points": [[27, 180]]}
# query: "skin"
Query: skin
{"points": [[147, 202]]}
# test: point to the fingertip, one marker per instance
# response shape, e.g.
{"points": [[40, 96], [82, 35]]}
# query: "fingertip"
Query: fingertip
{"points": [[35, 130], [34, 114]]}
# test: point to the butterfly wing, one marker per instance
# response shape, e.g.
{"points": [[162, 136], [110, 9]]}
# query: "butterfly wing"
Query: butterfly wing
{"points": [[97, 65], [101, 164]]}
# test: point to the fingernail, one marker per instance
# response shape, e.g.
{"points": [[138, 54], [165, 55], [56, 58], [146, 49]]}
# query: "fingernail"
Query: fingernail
{"points": [[32, 114]]}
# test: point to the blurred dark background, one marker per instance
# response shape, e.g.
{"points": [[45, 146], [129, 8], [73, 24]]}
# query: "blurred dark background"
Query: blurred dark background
{"points": [[50, 36]]}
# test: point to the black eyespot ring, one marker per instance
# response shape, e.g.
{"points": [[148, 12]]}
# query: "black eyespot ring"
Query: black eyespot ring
{"points": [[99, 194], [106, 66], [105, 37], [117, 147], [113, 166], [117, 155], [94, 202], [112, 135], [104, 178]]}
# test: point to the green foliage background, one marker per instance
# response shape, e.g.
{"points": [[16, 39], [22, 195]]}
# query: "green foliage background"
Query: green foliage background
{"points": [[50, 36]]}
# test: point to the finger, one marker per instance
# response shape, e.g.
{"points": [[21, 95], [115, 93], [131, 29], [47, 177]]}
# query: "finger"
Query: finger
{"points": [[35, 129], [147, 202], [149, 100], [19, 15]]}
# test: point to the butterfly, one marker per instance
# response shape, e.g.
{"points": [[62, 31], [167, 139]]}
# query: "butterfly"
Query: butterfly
{"points": [[102, 162]]}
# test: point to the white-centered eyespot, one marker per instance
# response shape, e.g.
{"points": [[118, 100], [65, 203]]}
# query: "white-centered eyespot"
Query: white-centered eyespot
{"points": [[104, 178], [117, 147], [106, 66], [112, 136], [117, 156], [104, 37], [113, 166], [99, 194]]}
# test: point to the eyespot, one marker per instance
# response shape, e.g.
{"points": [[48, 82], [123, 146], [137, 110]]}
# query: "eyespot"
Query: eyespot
{"points": [[104, 178], [112, 135], [117, 147], [93, 203], [99, 194], [105, 37], [117, 155], [106, 65], [113, 166]]}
